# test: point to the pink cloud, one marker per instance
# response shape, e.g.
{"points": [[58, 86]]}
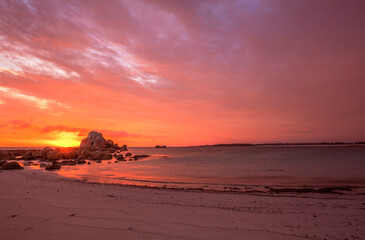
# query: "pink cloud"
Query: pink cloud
{"points": [[189, 70]]}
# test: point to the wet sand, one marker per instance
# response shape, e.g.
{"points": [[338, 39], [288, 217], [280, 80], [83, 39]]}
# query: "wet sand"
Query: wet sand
{"points": [[41, 205]]}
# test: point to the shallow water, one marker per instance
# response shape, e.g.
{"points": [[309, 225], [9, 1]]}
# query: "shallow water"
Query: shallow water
{"points": [[219, 167]]}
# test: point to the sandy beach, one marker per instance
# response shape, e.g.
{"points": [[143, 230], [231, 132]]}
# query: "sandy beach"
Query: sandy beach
{"points": [[42, 205]]}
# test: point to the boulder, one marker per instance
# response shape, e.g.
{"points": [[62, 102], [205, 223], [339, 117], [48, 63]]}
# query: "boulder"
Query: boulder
{"points": [[6, 155], [109, 143], [37, 154], [83, 154], [124, 148], [53, 167], [43, 165], [45, 150], [100, 155], [2, 162], [128, 154], [94, 139], [120, 157], [53, 155], [68, 162], [137, 157], [11, 166], [28, 155]]}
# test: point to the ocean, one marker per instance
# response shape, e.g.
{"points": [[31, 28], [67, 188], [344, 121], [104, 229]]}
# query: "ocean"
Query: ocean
{"points": [[231, 167]]}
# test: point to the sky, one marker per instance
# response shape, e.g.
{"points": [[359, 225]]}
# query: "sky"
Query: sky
{"points": [[181, 73]]}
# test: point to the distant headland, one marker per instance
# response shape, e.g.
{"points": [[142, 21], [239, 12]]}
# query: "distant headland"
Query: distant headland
{"points": [[285, 144]]}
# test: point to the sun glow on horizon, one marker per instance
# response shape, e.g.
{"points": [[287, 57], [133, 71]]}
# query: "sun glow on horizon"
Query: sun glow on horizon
{"points": [[65, 139]]}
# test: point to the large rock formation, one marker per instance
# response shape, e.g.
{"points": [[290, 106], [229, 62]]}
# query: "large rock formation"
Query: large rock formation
{"points": [[94, 139], [94, 147]]}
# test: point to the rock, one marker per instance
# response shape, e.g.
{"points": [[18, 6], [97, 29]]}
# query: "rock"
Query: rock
{"points": [[43, 165], [128, 154], [83, 154], [81, 161], [37, 155], [99, 161], [115, 155], [69, 163], [11, 166], [6, 155], [54, 155], [124, 148], [115, 161], [28, 155], [120, 157], [109, 143], [137, 157], [160, 146], [88, 163], [67, 153], [94, 139], [45, 150], [100, 155], [2, 162], [53, 167]]}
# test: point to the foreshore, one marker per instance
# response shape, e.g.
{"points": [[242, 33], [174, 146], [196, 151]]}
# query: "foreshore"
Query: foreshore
{"points": [[42, 205]]}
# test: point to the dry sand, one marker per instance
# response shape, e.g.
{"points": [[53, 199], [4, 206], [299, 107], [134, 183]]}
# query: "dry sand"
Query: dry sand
{"points": [[40, 205]]}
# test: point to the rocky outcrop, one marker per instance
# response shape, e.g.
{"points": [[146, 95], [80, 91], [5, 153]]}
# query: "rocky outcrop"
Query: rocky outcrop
{"points": [[6, 155], [160, 146], [94, 139], [94, 147], [11, 166]]}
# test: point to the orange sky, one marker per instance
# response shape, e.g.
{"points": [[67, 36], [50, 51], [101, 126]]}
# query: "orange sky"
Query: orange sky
{"points": [[181, 72]]}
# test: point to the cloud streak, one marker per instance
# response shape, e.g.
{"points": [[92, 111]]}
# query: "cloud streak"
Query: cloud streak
{"points": [[33, 100]]}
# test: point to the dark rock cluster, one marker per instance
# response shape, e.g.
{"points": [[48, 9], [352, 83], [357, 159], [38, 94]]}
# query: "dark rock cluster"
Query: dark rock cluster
{"points": [[93, 147]]}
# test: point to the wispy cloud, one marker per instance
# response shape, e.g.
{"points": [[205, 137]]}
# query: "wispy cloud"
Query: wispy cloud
{"points": [[40, 103], [19, 62]]}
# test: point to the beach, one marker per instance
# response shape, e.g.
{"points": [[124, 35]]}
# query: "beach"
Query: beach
{"points": [[43, 205]]}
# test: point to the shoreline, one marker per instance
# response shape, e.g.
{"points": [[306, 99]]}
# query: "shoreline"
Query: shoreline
{"points": [[37, 205], [263, 189]]}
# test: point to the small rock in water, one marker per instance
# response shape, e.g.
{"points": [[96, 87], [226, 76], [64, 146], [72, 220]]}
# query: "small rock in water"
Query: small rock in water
{"points": [[43, 165], [53, 167], [11, 166]]}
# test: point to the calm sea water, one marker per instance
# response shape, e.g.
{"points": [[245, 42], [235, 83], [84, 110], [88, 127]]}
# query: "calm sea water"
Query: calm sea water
{"points": [[232, 166]]}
